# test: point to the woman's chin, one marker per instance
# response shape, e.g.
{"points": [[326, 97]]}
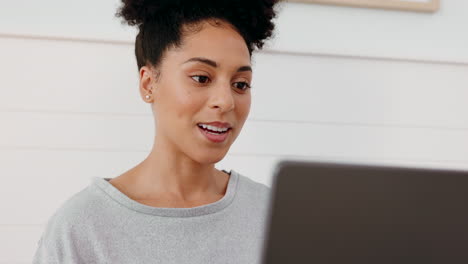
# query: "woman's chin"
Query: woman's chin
{"points": [[210, 156]]}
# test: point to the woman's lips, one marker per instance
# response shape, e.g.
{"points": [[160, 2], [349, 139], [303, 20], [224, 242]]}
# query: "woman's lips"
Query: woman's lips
{"points": [[217, 138]]}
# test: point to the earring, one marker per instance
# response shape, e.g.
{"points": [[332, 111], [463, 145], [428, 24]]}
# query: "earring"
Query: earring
{"points": [[148, 96]]}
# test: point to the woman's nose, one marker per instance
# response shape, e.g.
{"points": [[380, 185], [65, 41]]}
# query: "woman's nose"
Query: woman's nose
{"points": [[222, 97]]}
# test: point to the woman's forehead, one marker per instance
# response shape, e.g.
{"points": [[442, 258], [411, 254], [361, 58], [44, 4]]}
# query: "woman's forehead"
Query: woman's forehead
{"points": [[220, 44]]}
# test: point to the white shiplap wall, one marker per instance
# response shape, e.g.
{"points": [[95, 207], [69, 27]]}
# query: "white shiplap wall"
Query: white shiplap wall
{"points": [[335, 84]]}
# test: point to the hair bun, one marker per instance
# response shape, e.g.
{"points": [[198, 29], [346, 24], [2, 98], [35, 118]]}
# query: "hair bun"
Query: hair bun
{"points": [[136, 12], [160, 22]]}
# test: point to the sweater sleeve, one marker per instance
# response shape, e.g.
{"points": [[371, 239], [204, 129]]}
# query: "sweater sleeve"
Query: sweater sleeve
{"points": [[44, 253], [56, 244]]}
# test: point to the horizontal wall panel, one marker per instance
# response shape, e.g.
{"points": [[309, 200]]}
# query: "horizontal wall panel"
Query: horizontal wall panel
{"points": [[310, 139], [359, 91], [326, 29], [87, 132], [103, 132], [69, 76], [329, 30], [73, 19], [78, 77], [39, 181]]}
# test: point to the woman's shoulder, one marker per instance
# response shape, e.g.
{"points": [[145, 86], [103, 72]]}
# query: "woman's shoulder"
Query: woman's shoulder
{"points": [[248, 180], [75, 209], [65, 225], [253, 188]]}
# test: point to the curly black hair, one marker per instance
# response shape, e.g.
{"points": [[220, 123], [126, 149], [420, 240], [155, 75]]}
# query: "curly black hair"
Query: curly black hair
{"points": [[160, 22]]}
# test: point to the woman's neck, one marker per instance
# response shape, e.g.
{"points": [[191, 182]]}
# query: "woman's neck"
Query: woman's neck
{"points": [[169, 179]]}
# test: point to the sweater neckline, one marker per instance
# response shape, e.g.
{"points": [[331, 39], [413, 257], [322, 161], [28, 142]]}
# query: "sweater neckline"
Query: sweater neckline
{"points": [[104, 185]]}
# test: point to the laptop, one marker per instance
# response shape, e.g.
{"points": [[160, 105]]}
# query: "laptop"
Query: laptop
{"points": [[338, 213]]}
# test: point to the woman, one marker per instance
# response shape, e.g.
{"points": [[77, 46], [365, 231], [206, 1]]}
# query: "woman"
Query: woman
{"points": [[194, 61]]}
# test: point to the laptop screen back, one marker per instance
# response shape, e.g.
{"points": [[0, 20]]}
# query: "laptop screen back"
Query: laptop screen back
{"points": [[342, 213]]}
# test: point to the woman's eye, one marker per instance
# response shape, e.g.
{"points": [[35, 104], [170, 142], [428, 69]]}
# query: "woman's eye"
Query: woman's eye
{"points": [[200, 78], [242, 85]]}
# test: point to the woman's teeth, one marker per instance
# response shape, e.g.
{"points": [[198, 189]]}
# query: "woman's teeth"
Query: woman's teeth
{"points": [[213, 129]]}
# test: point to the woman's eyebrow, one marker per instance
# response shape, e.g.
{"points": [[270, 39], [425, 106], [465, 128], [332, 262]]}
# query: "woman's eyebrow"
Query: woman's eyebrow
{"points": [[244, 68], [214, 64]]}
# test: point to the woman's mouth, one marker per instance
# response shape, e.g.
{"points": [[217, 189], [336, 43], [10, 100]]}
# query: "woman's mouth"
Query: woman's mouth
{"points": [[214, 134]]}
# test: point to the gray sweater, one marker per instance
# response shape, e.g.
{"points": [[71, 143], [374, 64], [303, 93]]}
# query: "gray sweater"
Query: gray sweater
{"points": [[100, 224]]}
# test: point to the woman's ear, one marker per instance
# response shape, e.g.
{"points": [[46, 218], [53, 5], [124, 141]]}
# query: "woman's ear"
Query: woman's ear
{"points": [[147, 82]]}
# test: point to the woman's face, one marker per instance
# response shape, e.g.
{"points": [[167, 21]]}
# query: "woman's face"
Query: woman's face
{"points": [[206, 80]]}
